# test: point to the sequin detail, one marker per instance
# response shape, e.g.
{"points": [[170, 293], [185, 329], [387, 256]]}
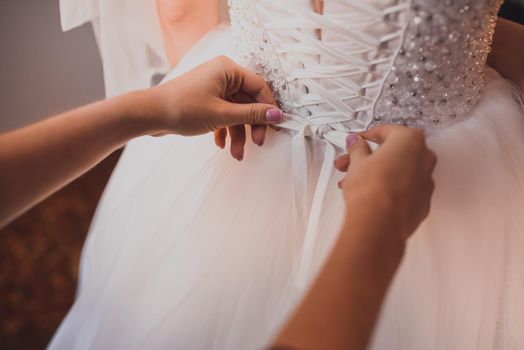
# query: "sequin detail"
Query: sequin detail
{"points": [[417, 63], [437, 76]]}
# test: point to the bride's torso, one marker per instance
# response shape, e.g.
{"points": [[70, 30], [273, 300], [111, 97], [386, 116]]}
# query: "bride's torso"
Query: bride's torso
{"points": [[413, 62]]}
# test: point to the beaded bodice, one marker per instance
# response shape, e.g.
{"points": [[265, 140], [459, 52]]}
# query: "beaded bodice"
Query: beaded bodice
{"points": [[362, 62]]}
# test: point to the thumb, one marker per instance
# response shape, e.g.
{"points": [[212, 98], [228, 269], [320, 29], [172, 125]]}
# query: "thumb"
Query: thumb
{"points": [[251, 113], [357, 147]]}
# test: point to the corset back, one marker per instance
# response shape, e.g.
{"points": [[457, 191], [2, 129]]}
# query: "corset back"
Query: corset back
{"points": [[413, 62]]}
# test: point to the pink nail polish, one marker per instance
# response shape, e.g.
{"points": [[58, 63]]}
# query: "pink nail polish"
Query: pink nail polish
{"points": [[351, 139], [274, 115]]}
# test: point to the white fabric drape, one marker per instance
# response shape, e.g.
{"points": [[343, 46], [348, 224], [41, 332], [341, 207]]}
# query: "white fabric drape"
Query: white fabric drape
{"points": [[128, 37]]}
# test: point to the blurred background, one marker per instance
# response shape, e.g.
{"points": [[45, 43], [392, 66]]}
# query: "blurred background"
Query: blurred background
{"points": [[43, 72]]}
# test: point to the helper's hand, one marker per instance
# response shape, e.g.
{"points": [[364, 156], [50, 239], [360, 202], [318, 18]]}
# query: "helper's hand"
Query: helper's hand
{"points": [[212, 97], [396, 179], [387, 195], [318, 6]]}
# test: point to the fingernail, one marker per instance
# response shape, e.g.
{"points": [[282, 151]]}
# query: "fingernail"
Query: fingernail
{"points": [[274, 115], [351, 139], [241, 157], [339, 184]]}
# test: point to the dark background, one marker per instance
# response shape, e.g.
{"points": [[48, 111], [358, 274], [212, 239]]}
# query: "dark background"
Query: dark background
{"points": [[514, 10], [44, 71]]}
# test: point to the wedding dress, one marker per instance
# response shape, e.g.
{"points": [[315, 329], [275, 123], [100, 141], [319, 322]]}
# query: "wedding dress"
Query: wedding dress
{"points": [[191, 249]]}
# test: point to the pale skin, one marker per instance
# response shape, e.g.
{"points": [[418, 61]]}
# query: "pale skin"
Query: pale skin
{"points": [[184, 22]]}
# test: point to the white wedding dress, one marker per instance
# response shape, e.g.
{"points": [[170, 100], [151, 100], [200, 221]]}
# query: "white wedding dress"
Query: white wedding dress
{"points": [[191, 249]]}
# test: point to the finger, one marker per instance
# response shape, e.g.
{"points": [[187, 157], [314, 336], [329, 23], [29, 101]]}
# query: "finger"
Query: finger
{"points": [[342, 163], [358, 148], [248, 113], [379, 134], [220, 137], [242, 79], [238, 140], [242, 97], [318, 6], [258, 134]]}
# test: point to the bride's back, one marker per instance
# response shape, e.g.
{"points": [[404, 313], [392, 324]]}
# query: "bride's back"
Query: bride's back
{"points": [[418, 63]]}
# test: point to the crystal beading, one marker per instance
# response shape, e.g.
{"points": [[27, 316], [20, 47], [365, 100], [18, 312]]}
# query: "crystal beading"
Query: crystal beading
{"points": [[437, 76], [363, 62]]}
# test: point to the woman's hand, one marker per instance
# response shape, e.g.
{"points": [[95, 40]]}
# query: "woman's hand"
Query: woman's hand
{"points": [[195, 103], [396, 178], [387, 195], [212, 97], [318, 6]]}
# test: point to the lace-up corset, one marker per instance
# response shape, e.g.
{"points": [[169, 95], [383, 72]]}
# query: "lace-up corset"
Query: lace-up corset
{"points": [[363, 62]]}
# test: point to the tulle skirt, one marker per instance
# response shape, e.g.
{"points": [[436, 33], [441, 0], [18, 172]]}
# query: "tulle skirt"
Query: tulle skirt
{"points": [[191, 249]]}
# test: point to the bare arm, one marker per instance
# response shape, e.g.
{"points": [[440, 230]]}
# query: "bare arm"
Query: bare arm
{"points": [[39, 159], [507, 55], [387, 195], [342, 306]]}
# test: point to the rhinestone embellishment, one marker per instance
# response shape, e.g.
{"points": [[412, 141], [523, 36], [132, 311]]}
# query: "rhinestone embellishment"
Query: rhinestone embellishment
{"points": [[430, 78], [437, 75]]}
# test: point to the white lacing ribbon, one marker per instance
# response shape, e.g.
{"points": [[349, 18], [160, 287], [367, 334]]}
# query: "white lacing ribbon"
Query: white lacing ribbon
{"points": [[293, 34], [332, 138]]}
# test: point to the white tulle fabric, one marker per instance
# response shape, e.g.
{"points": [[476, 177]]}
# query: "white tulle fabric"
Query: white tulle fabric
{"points": [[194, 250]]}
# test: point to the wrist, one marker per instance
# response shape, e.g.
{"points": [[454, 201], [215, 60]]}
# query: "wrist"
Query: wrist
{"points": [[372, 215], [139, 116], [379, 202], [377, 242]]}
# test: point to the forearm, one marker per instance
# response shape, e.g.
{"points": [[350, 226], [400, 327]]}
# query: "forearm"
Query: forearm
{"points": [[343, 304], [37, 160], [387, 195], [507, 55]]}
